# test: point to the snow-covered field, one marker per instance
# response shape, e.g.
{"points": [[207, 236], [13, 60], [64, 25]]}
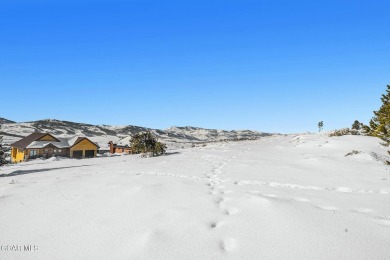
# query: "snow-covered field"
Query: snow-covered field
{"points": [[282, 197]]}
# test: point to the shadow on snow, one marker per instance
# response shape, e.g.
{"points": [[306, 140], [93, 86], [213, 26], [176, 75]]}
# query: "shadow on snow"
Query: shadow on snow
{"points": [[22, 172]]}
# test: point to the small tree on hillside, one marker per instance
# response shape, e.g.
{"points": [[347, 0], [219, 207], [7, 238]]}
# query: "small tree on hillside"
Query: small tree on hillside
{"points": [[380, 123], [320, 126], [357, 125], [146, 142], [160, 148], [2, 153]]}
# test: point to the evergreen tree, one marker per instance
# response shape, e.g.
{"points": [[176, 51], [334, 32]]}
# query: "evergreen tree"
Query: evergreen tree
{"points": [[380, 123], [366, 130], [357, 125], [146, 142], [2, 154], [320, 126], [160, 148]]}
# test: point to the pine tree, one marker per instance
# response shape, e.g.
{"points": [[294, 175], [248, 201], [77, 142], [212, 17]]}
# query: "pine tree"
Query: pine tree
{"points": [[320, 126], [380, 123], [146, 142], [2, 154], [366, 130], [357, 125]]}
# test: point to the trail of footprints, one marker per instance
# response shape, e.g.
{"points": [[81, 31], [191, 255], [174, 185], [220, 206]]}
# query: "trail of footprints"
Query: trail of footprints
{"points": [[217, 189], [219, 192]]}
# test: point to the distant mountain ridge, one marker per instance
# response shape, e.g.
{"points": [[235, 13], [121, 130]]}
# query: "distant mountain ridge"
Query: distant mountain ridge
{"points": [[104, 133], [5, 121]]}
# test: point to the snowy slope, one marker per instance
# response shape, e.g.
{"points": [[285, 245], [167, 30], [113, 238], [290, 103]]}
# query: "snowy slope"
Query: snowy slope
{"points": [[281, 197], [102, 134], [5, 121]]}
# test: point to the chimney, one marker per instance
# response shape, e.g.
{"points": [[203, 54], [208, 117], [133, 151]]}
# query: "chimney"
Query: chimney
{"points": [[111, 146]]}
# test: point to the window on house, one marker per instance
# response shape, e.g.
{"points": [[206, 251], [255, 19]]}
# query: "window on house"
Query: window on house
{"points": [[59, 150], [33, 153]]}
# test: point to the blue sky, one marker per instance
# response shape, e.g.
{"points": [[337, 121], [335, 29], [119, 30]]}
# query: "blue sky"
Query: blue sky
{"points": [[276, 66]]}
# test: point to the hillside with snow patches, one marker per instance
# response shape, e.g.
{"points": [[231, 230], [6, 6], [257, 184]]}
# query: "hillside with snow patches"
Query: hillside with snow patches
{"points": [[102, 134], [307, 196]]}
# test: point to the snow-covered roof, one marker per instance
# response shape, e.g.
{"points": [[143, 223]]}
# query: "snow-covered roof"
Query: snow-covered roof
{"points": [[64, 143], [71, 140], [124, 141]]}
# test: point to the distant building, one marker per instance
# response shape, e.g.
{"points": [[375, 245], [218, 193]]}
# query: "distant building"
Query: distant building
{"points": [[122, 146], [46, 145]]}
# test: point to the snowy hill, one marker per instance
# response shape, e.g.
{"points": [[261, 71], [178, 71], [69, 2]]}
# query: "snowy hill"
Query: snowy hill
{"points": [[5, 121], [281, 197], [105, 133], [202, 134]]}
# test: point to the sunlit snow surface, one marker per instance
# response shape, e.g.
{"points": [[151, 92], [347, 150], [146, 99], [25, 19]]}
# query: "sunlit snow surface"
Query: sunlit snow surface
{"points": [[284, 197]]}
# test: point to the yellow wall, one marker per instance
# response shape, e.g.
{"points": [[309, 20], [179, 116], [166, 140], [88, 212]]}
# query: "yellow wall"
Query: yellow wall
{"points": [[84, 145], [17, 155], [47, 138]]}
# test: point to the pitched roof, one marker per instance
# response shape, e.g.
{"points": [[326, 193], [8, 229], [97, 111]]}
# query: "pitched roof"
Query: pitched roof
{"points": [[124, 141], [64, 143], [79, 139], [31, 141], [24, 142]]}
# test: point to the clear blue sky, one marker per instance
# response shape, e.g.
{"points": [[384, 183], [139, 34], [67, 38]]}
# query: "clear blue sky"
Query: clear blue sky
{"points": [[267, 65]]}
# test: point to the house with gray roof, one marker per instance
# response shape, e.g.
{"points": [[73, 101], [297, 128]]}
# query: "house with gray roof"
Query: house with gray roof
{"points": [[45, 145]]}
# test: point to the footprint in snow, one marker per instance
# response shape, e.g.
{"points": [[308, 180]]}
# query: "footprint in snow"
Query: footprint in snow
{"points": [[226, 192], [219, 200], [229, 244], [216, 224], [232, 211]]}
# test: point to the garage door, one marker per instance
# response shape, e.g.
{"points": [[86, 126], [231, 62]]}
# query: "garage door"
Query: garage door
{"points": [[78, 154], [89, 153]]}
